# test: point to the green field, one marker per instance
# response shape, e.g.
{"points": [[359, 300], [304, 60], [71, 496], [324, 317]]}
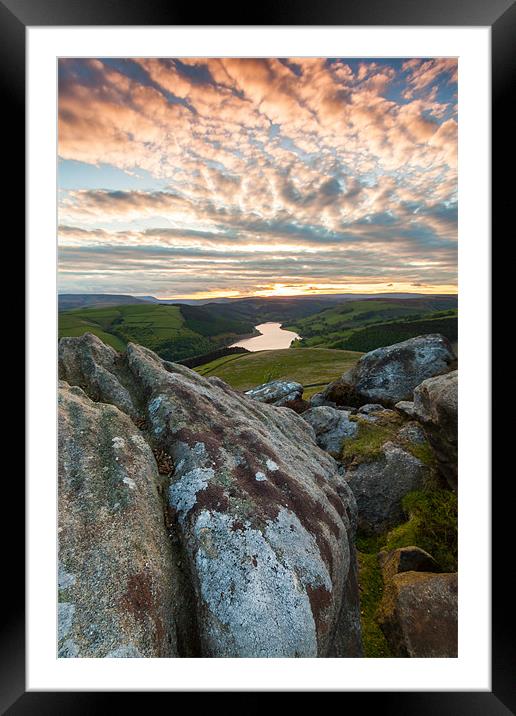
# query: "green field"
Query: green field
{"points": [[73, 325], [313, 368]]}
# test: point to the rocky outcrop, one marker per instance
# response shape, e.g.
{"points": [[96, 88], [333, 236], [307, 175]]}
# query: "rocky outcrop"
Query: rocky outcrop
{"points": [[390, 374], [384, 460], [380, 484], [418, 614], [92, 365], [436, 407], [249, 553], [331, 427], [277, 392], [117, 575]]}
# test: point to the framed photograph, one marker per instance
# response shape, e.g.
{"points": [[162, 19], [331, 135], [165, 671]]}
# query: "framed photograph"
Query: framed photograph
{"points": [[258, 258]]}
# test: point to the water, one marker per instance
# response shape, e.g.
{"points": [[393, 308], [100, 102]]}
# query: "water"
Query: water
{"points": [[273, 337]]}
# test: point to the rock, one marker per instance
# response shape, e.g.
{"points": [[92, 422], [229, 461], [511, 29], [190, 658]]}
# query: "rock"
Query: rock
{"points": [[299, 406], [116, 568], [340, 393], [317, 399], [405, 559], [436, 407], [406, 407], [380, 484], [257, 515], [418, 615], [277, 392], [331, 427], [412, 433], [380, 415], [261, 512], [390, 374], [371, 408], [92, 365]]}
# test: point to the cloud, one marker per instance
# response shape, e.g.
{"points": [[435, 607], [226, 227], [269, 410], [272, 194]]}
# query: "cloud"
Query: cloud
{"points": [[262, 156]]}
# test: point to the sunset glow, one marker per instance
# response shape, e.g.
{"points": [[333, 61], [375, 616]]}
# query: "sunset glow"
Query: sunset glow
{"points": [[198, 178]]}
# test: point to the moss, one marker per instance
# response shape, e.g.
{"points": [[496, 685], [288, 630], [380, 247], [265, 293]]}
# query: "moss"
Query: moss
{"points": [[432, 525], [422, 451], [367, 445], [371, 590], [369, 543]]}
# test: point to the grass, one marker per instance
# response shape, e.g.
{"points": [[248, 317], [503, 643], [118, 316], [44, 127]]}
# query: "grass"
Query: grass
{"points": [[313, 368]]}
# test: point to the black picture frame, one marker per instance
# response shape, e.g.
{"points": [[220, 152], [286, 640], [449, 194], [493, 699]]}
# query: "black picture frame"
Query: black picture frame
{"points": [[500, 16]]}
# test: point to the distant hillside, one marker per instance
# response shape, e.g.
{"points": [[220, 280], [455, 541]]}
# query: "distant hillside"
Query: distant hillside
{"points": [[253, 304], [344, 326], [314, 368], [67, 301], [261, 310], [174, 332]]}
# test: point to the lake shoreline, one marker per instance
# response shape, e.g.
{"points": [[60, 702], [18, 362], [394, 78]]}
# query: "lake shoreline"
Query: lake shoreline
{"points": [[267, 336], [246, 336]]}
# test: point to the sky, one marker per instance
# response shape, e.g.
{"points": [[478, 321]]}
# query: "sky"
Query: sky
{"points": [[196, 178]]}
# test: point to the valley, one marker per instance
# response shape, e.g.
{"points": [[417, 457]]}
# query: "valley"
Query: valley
{"points": [[325, 334]]}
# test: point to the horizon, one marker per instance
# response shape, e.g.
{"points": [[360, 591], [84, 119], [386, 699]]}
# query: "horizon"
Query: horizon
{"points": [[202, 179], [236, 298]]}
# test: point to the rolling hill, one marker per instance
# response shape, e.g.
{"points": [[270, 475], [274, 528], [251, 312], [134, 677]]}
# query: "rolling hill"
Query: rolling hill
{"points": [[313, 368], [368, 324], [173, 331]]}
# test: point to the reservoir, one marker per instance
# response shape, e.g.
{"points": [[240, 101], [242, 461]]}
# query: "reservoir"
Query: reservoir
{"points": [[273, 337]]}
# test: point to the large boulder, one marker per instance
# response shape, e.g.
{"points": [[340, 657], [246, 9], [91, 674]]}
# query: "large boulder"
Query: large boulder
{"points": [[277, 392], [390, 374], [331, 427], [117, 575], [436, 407], [260, 523], [261, 512], [418, 614]]}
